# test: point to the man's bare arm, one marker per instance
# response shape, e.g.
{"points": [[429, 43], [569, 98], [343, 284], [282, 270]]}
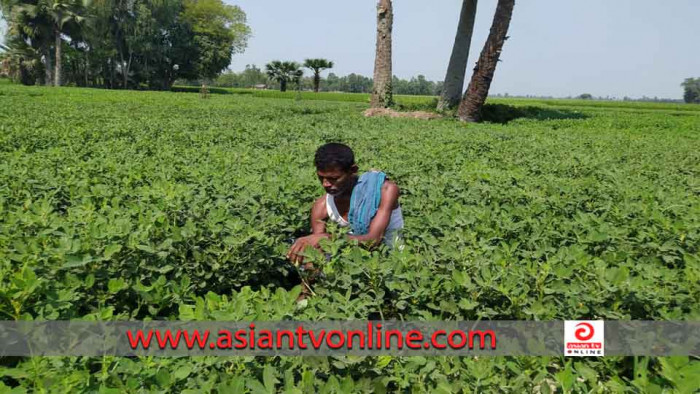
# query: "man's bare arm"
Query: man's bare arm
{"points": [[318, 231], [318, 216], [378, 225]]}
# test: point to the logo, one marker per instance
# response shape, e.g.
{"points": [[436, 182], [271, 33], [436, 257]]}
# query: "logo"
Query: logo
{"points": [[584, 338]]}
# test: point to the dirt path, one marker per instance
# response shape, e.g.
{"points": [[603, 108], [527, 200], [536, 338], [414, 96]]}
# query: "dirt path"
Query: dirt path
{"points": [[395, 114]]}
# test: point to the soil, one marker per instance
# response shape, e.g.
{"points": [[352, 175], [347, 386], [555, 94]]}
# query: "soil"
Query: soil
{"points": [[395, 114]]}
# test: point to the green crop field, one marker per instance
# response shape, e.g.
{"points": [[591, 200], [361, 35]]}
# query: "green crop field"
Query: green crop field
{"points": [[158, 205], [403, 100]]}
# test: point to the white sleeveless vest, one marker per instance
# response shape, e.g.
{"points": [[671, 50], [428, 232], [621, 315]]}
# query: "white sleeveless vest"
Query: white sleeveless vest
{"points": [[393, 230]]}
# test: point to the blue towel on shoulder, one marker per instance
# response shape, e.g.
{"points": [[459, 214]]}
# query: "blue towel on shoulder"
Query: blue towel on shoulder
{"points": [[364, 201]]}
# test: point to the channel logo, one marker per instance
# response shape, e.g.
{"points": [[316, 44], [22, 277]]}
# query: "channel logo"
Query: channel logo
{"points": [[584, 338]]}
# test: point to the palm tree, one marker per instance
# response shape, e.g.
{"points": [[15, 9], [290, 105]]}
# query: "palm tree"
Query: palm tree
{"points": [[61, 14], [20, 61], [454, 79], [64, 12], [283, 72], [317, 65], [30, 24], [478, 90], [382, 89]]}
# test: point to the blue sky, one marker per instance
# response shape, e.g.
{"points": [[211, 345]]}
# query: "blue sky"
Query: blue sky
{"points": [[557, 47]]}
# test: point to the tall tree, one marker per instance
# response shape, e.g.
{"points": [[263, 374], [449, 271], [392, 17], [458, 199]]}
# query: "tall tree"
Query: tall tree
{"points": [[125, 43], [691, 90], [317, 65], [478, 90], [457, 68], [284, 72], [131, 27], [219, 32], [64, 13], [20, 61], [382, 95], [247, 78], [175, 53], [30, 26]]}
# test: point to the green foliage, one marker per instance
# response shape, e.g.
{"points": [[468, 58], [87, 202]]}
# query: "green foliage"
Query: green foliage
{"points": [[127, 43], [317, 65], [158, 205], [352, 83], [43, 23], [416, 86], [29, 29], [405, 102], [416, 102], [219, 32], [691, 92], [20, 62], [284, 72], [247, 78]]}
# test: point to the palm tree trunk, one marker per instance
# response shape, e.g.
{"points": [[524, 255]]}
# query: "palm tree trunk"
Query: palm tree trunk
{"points": [[57, 73], [456, 70], [112, 74], [283, 85], [108, 73], [317, 80], [382, 89], [87, 67], [126, 70], [48, 67], [478, 90]]}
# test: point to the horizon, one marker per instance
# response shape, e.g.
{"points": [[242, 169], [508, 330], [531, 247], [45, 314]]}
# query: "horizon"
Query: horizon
{"points": [[645, 55], [610, 58]]}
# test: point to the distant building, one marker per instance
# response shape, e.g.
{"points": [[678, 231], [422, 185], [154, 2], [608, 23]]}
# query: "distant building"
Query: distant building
{"points": [[261, 86]]}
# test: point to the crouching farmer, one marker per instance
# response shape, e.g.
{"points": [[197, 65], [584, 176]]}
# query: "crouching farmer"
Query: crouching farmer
{"points": [[368, 204]]}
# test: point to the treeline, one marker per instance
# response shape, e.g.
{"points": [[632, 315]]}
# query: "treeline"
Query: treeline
{"points": [[691, 90], [252, 76], [120, 43]]}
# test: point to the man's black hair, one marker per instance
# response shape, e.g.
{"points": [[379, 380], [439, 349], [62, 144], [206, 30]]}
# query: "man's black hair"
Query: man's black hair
{"points": [[334, 155]]}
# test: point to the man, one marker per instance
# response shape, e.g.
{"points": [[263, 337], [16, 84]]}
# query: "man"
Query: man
{"points": [[368, 204]]}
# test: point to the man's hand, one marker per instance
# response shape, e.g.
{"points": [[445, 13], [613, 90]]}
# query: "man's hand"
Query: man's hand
{"points": [[295, 252]]}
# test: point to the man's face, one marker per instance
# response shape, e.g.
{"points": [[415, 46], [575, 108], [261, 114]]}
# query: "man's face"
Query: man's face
{"points": [[336, 181]]}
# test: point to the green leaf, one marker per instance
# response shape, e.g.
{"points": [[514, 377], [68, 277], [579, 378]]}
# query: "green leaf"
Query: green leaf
{"points": [[347, 385], [383, 361], [111, 250], [89, 281], [234, 385], [256, 387], [163, 377], [116, 285], [73, 261], [565, 377], [587, 372], [182, 372], [186, 312], [467, 305], [461, 278], [146, 249], [269, 378], [443, 388]]}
